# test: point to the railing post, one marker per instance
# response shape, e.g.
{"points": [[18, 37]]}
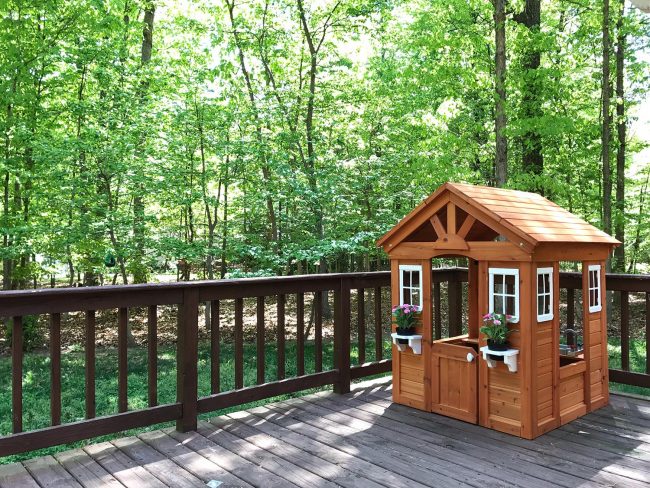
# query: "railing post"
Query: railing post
{"points": [[187, 358], [342, 336]]}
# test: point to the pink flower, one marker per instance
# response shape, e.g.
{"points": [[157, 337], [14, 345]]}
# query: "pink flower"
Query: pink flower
{"points": [[486, 316], [497, 322]]}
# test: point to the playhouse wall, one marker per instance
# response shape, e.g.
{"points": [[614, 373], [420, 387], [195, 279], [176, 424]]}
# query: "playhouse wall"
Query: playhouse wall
{"points": [[411, 372], [504, 402], [595, 344], [545, 374]]}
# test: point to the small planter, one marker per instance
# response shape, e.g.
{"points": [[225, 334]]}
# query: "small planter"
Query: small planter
{"points": [[498, 347], [404, 331]]}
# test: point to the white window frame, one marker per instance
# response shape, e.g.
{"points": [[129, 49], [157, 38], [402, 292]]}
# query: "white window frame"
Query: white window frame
{"points": [[599, 306], [508, 272], [545, 316], [410, 267]]}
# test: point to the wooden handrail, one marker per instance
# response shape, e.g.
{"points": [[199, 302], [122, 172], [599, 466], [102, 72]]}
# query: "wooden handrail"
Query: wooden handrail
{"points": [[188, 295]]}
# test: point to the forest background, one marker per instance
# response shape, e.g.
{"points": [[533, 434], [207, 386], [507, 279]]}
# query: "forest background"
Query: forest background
{"points": [[155, 140]]}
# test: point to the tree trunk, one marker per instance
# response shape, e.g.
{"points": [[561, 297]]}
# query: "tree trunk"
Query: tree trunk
{"points": [[606, 122], [140, 271], [501, 156], [621, 127], [532, 156]]}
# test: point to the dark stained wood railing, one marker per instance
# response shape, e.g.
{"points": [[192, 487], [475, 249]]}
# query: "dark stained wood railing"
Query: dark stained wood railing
{"points": [[345, 288]]}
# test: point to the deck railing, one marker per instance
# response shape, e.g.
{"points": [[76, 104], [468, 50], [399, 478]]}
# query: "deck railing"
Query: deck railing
{"points": [[348, 290]]}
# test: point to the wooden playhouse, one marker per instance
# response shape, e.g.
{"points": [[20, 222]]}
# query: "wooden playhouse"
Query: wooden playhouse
{"points": [[514, 242]]}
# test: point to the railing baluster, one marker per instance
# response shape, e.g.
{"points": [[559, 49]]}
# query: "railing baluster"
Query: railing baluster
{"points": [[280, 337], [122, 360], [261, 338], [187, 359], [17, 374], [152, 355], [361, 325], [455, 303], [55, 368], [570, 308], [647, 333], [437, 312], [342, 337], [318, 330], [215, 348], [625, 330], [379, 339], [90, 364], [239, 343], [300, 334]]}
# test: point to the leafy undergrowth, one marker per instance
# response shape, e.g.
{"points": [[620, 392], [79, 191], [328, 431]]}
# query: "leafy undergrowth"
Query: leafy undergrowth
{"points": [[36, 384]]}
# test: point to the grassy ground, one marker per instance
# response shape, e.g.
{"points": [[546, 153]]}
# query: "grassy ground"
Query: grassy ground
{"points": [[36, 382]]}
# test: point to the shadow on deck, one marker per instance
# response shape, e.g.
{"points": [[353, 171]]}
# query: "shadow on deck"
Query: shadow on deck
{"points": [[357, 440]]}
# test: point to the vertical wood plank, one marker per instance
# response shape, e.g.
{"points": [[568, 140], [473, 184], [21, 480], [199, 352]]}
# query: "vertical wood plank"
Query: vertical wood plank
{"points": [[187, 358], [239, 343], [451, 218], [17, 374], [379, 339], [152, 355], [361, 325], [342, 336], [215, 348], [437, 317], [122, 360], [280, 337], [260, 340], [300, 333], [625, 329], [90, 364], [647, 333], [318, 330], [55, 368]]}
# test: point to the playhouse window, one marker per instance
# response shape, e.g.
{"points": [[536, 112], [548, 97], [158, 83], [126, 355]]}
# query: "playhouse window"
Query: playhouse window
{"points": [[410, 284], [544, 294], [594, 288], [504, 292]]}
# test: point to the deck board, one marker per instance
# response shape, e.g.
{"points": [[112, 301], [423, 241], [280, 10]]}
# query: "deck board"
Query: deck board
{"points": [[361, 440]]}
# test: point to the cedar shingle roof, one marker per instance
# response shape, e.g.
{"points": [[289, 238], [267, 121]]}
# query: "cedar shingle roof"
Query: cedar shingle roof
{"points": [[531, 216]]}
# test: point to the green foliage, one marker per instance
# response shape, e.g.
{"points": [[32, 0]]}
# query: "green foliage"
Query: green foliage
{"points": [[190, 158], [496, 327]]}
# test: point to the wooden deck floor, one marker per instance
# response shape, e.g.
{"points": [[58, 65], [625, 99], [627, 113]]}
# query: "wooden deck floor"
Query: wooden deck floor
{"points": [[357, 440]]}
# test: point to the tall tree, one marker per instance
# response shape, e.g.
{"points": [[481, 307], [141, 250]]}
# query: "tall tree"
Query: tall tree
{"points": [[140, 271], [605, 139], [531, 106], [621, 129], [501, 155]]}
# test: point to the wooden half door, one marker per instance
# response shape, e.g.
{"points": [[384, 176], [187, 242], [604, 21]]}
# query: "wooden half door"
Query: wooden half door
{"points": [[454, 381]]}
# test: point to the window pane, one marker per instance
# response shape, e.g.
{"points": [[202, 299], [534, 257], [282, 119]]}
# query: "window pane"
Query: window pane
{"points": [[498, 283], [510, 305], [540, 304], [406, 295], [596, 284], [547, 282], [498, 304], [592, 298], [547, 304], [540, 283], [415, 278], [510, 284], [406, 278], [596, 297], [415, 297]]}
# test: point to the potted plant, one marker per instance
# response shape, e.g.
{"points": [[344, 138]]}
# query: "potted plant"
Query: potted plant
{"points": [[495, 328], [405, 319]]}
